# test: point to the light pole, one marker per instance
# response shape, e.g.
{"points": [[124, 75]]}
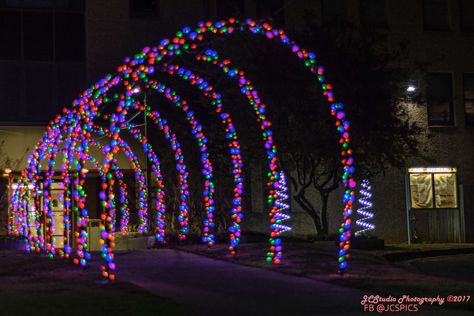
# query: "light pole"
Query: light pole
{"points": [[147, 163]]}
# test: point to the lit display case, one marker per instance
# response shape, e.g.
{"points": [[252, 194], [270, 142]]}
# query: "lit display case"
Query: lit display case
{"points": [[433, 212], [433, 188]]}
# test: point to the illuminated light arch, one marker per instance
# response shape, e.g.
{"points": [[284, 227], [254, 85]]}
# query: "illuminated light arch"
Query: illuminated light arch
{"points": [[122, 188], [134, 160], [179, 158], [186, 40], [167, 128], [65, 169], [176, 148], [227, 27], [171, 95], [201, 140], [231, 134], [208, 170]]}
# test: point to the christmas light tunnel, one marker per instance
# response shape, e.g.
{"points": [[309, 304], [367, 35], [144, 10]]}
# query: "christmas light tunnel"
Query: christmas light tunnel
{"points": [[75, 130]]}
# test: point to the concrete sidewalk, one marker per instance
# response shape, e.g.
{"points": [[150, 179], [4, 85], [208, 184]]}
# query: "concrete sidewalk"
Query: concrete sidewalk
{"points": [[214, 287], [217, 287]]}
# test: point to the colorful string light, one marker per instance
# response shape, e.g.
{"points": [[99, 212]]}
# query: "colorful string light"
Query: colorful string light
{"points": [[74, 127]]}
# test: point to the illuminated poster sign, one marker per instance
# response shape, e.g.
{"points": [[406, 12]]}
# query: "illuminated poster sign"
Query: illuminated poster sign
{"points": [[433, 187]]}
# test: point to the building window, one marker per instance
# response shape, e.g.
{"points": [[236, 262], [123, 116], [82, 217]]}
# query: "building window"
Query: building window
{"points": [[467, 15], [10, 87], [69, 48], [10, 34], [433, 188], [333, 11], [468, 83], [38, 35], [38, 91], [435, 15], [70, 79], [373, 13], [230, 8], [207, 10], [439, 97], [145, 9], [272, 9], [42, 57]]}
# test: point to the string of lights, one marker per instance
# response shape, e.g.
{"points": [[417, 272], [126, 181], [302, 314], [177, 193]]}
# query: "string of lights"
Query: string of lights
{"points": [[73, 129], [365, 209]]}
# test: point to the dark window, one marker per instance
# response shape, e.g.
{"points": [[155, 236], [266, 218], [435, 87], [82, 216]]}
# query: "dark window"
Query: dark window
{"points": [[38, 35], [333, 11], [70, 79], [373, 13], [70, 5], [230, 8], [468, 82], [435, 15], [207, 11], [69, 32], [10, 90], [38, 92], [10, 3], [272, 9], [467, 15], [43, 4], [148, 9], [439, 97], [10, 35], [36, 38]]}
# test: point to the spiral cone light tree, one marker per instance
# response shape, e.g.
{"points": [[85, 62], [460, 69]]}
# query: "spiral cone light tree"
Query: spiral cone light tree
{"points": [[365, 211]]}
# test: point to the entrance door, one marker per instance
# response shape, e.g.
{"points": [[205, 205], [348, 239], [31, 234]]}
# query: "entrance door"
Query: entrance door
{"points": [[57, 207]]}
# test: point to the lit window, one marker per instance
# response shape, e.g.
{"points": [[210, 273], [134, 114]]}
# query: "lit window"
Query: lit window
{"points": [[439, 99], [469, 98], [435, 15]]}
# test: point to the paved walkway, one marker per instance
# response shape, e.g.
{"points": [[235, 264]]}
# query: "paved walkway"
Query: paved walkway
{"points": [[214, 287], [458, 267]]}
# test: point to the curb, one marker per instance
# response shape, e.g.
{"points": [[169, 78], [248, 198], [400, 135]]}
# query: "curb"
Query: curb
{"points": [[402, 256]]}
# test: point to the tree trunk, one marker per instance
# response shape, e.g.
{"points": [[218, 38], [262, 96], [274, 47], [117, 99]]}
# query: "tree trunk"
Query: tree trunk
{"points": [[324, 212], [310, 210]]}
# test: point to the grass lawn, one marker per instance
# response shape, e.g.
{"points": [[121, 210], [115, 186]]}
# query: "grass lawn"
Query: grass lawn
{"points": [[35, 285]]}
